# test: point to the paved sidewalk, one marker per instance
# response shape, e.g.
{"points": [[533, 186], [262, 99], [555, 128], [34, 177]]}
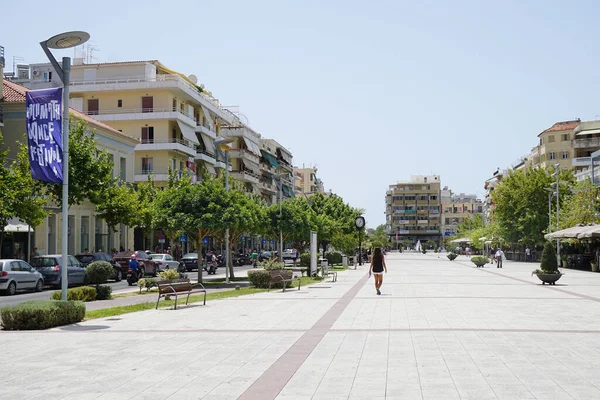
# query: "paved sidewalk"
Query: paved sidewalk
{"points": [[440, 330]]}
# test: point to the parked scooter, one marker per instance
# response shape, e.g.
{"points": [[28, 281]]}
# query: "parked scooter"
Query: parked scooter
{"points": [[133, 277], [211, 267]]}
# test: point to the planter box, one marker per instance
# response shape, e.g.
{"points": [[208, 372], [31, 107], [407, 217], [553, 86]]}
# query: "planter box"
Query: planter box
{"points": [[550, 279]]}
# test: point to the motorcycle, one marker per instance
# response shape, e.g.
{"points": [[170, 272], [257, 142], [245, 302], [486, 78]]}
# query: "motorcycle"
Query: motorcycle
{"points": [[133, 277], [211, 267]]}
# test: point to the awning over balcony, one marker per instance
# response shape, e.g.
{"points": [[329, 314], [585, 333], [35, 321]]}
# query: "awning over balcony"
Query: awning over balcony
{"points": [[207, 115], [285, 156], [590, 132], [209, 144], [287, 190], [188, 133], [254, 168], [253, 147], [255, 189], [270, 158], [210, 169]]}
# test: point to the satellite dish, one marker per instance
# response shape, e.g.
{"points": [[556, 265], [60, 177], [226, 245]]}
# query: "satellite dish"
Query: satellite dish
{"points": [[193, 78], [202, 85]]}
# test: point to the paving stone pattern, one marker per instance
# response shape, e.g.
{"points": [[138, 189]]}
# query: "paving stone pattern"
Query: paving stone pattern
{"points": [[440, 330]]}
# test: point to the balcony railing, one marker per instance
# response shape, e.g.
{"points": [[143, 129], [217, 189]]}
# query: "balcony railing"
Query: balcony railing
{"points": [[582, 161], [202, 151], [140, 111], [585, 143], [185, 143]]}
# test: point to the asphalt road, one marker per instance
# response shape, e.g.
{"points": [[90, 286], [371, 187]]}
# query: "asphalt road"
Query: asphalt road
{"points": [[21, 297]]}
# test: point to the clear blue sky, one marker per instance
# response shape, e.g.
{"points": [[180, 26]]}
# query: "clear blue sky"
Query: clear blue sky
{"points": [[370, 92]]}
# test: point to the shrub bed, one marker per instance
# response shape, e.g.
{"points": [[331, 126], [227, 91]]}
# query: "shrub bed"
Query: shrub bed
{"points": [[41, 314], [84, 293], [333, 257], [452, 256], [305, 259], [261, 278], [480, 259]]}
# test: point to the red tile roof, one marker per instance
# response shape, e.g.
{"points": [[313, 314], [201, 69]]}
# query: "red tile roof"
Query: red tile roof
{"points": [[14, 93], [563, 126]]}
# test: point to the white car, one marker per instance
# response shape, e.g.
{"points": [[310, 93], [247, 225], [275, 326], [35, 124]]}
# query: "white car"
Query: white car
{"points": [[164, 261], [17, 275]]}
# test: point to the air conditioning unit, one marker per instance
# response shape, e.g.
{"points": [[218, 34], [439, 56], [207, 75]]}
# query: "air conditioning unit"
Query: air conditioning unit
{"points": [[36, 72]]}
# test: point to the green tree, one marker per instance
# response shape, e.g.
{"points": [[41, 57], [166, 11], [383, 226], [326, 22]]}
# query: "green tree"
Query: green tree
{"points": [[380, 238], [548, 262], [295, 223], [118, 205], [522, 204], [581, 205], [8, 194]]}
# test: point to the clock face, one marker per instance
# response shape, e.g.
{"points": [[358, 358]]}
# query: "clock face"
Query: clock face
{"points": [[359, 222]]}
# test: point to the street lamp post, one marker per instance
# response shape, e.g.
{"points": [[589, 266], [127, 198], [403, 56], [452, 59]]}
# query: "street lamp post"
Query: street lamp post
{"points": [[280, 176], [359, 222], [64, 41], [223, 144]]}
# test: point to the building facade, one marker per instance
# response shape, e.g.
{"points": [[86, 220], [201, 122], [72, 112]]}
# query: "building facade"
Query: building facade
{"points": [[306, 182], [413, 210], [456, 208], [86, 231]]}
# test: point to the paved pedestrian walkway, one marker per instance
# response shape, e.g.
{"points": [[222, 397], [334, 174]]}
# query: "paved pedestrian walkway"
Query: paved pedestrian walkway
{"points": [[440, 330]]}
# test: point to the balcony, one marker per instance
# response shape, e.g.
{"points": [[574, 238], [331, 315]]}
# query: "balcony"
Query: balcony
{"points": [[137, 114], [244, 155], [183, 146], [205, 130], [245, 176], [267, 187], [267, 168], [157, 175], [205, 156], [582, 161], [586, 143], [159, 81]]}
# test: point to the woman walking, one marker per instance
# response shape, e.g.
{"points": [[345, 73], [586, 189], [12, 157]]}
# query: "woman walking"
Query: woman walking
{"points": [[377, 268]]}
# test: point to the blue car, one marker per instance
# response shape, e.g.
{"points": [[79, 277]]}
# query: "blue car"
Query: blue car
{"points": [[50, 268]]}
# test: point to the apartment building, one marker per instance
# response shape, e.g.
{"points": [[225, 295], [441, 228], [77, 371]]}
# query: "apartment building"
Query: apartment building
{"points": [[306, 181], [456, 208], [244, 156], [413, 210], [1, 85], [285, 172], [174, 117], [269, 168], [555, 146], [85, 229]]}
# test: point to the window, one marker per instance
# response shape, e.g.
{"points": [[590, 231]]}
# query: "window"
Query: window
{"points": [[123, 174], [434, 197], [565, 155], [551, 139], [552, 155], [147, 134], [565, 137], [174, 104], [173, 164], [50, 76], [147, 165], [112, 161], [119, 103]]}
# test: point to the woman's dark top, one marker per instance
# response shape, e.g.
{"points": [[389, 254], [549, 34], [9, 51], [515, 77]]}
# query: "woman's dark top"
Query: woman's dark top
{"points": [[378, 264]]}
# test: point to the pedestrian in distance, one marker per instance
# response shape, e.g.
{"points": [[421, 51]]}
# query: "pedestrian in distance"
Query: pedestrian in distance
{"points": [[527, 254], [377, 268], [254, 257], [499, 257]]}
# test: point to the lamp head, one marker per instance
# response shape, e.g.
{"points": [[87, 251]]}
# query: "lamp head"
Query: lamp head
{"points": [[223, 143], [67, 40]]}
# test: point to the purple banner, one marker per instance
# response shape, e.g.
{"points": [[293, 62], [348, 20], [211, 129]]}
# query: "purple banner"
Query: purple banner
{"points": [[44, 134]]}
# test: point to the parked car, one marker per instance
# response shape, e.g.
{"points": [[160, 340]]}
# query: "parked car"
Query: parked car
{"points": [[50, 267], [89, 258], [146, 266], [265, 255], [190, 261], [164, 261], [290, 254], [19, 275]]}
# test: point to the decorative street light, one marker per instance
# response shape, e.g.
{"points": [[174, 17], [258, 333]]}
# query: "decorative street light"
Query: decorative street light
{"points": [[280, 176], [64, 41], [223, 144]]}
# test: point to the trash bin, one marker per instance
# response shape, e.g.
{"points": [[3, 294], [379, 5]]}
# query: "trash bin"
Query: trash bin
{"points": [[345, 261]]}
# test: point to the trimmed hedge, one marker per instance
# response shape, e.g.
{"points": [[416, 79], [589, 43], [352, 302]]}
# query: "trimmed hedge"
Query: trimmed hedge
{"points": [[103, 292], [480, 259], [99, 272], [452, 256], [261, 278], [41, 314], [333, 257], [84, 293], [548, 262]]}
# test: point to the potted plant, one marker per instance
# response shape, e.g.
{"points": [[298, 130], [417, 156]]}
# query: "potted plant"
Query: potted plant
{"points": [[479, 261], [594, 265], [452, 256], [548, 272]]}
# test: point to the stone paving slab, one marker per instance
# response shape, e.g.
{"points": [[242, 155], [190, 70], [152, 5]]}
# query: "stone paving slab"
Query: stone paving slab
{"points": [[440, 330]]}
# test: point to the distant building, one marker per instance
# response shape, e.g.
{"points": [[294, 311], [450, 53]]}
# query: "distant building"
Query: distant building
{"points": [[456, 208], [306, 181], [413, 210]]}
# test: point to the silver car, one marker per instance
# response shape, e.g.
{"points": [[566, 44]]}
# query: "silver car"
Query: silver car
{"points": [[19, 275], [164, 261]]}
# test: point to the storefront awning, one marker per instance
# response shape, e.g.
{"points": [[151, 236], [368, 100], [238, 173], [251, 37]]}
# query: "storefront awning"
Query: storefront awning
{"points": [[253, 147], [188, 132], [17, 228], [270, 158], [209, 144]]}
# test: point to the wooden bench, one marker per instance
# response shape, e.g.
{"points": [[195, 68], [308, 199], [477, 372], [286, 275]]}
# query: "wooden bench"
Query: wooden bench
{"points": [[282, 277], [176, 287]]}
